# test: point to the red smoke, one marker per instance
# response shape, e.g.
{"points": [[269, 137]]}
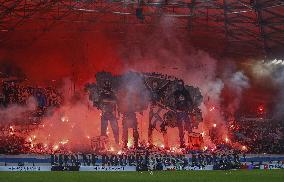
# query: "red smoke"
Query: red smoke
{"points": [[56, 55], [78, 55]]}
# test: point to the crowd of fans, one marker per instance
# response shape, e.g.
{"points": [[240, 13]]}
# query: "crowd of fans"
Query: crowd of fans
{"points": [[145, 160], [260, 135], [12, 144], [13, 92]]}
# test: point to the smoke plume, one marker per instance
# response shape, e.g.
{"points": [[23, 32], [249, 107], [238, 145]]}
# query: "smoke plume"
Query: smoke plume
{"points": [[155, 50], [16, 112]]}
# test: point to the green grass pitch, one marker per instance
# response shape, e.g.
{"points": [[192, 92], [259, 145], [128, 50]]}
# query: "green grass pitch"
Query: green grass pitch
{"points": [[163, 176]]}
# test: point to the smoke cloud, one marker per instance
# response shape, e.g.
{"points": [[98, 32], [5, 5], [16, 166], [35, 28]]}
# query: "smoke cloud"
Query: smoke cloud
{"points": [[271, 73], [155, 50], [16, 112], [164, 51]]}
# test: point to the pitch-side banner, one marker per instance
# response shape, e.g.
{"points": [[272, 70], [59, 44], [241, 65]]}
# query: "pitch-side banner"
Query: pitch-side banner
{"points": [[272, 166], [194, 168], [107, 168], [25, 168]]}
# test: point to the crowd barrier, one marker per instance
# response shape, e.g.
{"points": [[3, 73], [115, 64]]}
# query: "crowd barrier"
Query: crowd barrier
{"points": [[46, 158], [188, 168], [25, 168], [43, 163], [272, 166], [107, 168], [126, 168], [67, 168]]}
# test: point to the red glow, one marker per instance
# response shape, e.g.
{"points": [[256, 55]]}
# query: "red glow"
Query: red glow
{"points": [[212, 108], [261, 110], [55, 147], [48, 61], [227, 140]]}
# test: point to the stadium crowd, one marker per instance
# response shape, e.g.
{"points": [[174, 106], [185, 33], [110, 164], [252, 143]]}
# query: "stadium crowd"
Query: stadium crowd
{"points": [[145, 160], [12, 92], [260, 136], [12, 144], [15, 93]]}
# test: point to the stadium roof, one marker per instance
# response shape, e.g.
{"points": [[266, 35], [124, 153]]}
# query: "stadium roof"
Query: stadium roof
{"points": [[253, 28]]}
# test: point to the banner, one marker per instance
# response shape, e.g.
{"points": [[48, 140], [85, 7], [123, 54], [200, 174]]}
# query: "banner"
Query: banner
{"points": [[65, 168], [188, 168], [272, 166], [107, 168], [25, 168]]}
